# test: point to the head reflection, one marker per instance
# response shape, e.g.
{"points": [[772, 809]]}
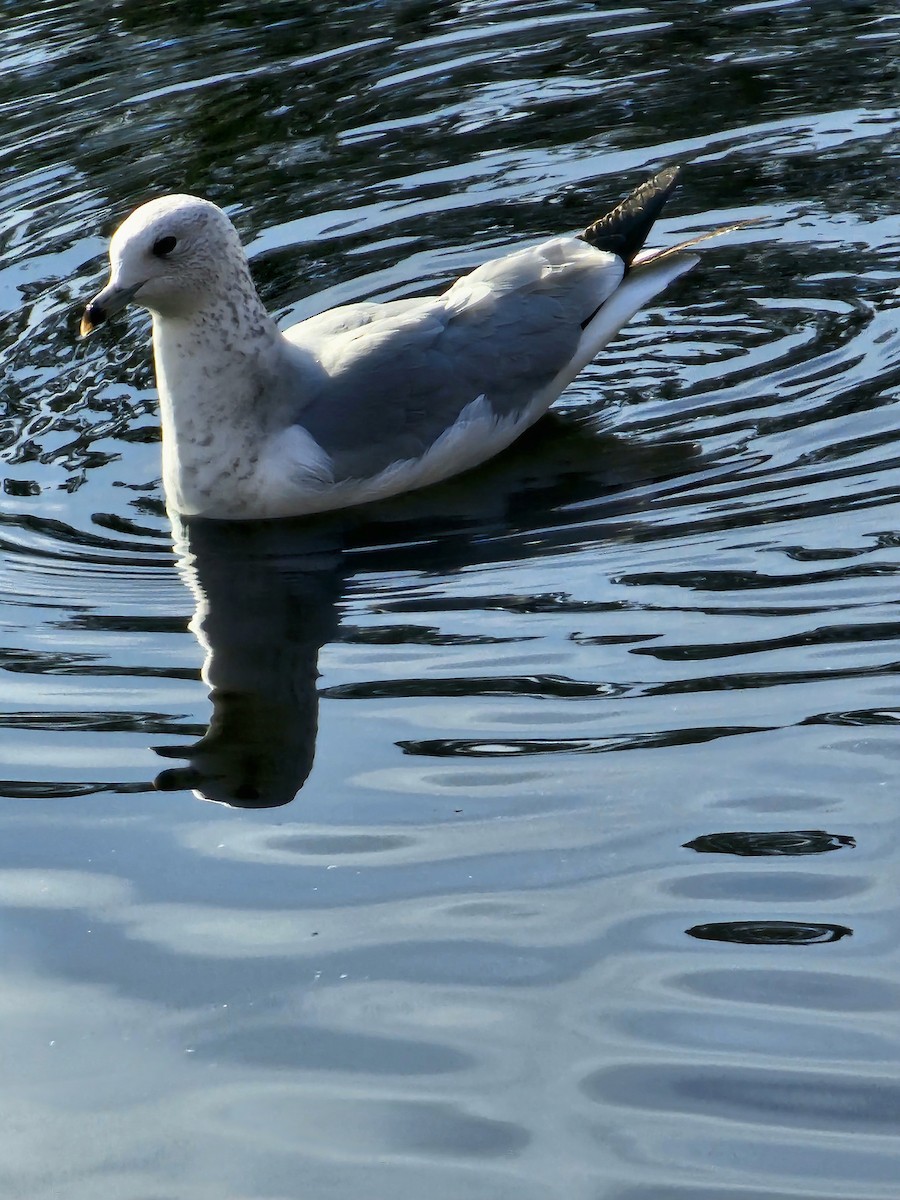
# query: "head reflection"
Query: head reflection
{"points": [[266, 600]]}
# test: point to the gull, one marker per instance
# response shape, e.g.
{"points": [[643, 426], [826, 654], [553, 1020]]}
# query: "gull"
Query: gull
{"points": [[371, 399]]}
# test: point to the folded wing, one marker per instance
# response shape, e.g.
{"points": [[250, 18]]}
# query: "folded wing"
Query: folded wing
{"points": [[395, 378]]}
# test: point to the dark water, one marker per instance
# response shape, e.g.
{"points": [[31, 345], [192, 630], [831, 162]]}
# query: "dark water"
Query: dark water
{"points": [[591, 891]]}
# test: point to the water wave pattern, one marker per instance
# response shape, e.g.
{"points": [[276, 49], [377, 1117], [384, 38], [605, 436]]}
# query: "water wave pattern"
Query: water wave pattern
{"points": [[589, 889]]}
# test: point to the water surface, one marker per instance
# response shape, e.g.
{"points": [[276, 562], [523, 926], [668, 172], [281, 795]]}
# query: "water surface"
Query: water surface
{"points": [[559, 844]]}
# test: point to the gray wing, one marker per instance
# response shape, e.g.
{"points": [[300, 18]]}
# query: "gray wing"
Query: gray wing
{"points": [[395, 377]]}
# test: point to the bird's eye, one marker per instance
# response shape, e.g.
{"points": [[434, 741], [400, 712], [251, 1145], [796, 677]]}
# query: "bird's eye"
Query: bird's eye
{"points": [[164, 245]]}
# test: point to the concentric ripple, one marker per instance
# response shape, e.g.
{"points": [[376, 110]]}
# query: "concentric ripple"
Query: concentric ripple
{"points": [[583, 876]]}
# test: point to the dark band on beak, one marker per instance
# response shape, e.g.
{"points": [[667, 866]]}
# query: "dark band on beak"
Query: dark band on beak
{"points": [[106, 304], [94, 315]]}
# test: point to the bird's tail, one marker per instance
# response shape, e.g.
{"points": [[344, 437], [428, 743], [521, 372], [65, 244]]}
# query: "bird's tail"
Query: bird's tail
{"points": [[624, 230], [653, 255]]}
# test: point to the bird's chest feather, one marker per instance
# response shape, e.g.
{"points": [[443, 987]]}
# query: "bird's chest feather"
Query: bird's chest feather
{"points": [[216, 409]]}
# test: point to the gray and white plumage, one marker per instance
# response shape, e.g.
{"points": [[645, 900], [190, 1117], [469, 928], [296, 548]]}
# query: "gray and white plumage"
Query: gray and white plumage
{"points": [[367, 400]]}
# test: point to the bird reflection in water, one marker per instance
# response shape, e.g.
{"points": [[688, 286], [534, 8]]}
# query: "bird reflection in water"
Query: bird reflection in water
{"points": [[267, 593], [266, 601]]}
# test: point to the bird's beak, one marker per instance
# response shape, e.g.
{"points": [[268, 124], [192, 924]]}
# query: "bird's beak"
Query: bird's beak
{"points": [[105, 304]]}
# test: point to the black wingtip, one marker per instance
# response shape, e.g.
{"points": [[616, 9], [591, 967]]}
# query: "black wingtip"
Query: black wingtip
{"points": [[624, 230]]}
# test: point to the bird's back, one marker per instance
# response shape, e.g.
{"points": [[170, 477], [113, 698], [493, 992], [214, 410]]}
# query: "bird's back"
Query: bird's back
{"points": [[395, 378]]}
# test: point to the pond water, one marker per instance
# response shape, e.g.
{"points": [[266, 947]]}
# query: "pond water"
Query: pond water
{"points": [[560, 836]]}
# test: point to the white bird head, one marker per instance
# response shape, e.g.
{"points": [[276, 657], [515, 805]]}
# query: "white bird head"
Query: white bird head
{"points": [[171, 255]]}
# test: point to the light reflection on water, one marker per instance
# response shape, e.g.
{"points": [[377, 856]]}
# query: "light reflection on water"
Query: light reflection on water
{"points": [[529, 929]]}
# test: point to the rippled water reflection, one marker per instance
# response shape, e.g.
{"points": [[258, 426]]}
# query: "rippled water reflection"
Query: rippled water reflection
{"points": [[589, 889]]}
